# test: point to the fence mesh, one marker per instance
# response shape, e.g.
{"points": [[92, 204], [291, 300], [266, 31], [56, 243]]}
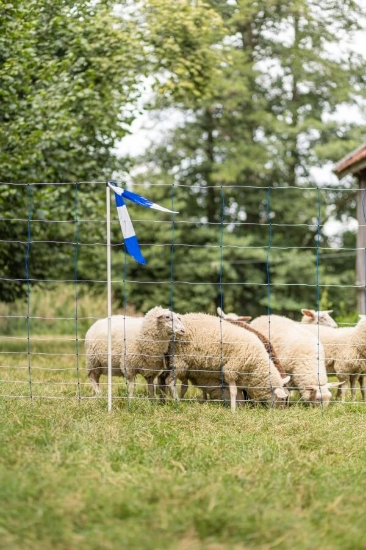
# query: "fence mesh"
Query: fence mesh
{"points": [[53, 286]]}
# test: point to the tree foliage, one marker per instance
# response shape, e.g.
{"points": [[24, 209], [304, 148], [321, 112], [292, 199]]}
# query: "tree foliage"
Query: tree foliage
{"points": [[268, 120], [257, 86]]}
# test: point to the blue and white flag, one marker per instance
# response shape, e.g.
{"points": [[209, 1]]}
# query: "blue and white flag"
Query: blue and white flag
{"points": [[128, 232]]}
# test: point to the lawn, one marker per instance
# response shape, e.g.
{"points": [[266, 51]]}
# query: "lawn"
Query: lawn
{"points": [[187, 476]]}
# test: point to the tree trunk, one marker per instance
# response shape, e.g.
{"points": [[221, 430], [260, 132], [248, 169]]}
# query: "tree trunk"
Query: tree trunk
{"points": [[361, 243]]}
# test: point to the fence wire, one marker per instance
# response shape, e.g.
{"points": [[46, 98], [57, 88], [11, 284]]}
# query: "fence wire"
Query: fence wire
{"points": [[43, 351]]}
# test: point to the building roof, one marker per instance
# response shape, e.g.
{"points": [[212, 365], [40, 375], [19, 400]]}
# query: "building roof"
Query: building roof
{"points": [[352, 163]]}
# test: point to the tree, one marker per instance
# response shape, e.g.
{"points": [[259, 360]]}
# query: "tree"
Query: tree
{"points": [[69, 73], [266, 123]]}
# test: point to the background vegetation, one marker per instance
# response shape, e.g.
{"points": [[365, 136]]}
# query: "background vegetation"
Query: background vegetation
{"points": [[257, 89]]}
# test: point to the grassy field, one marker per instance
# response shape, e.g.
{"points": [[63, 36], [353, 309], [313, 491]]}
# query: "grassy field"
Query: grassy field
{"points": [[152, 476], [188, 478]]}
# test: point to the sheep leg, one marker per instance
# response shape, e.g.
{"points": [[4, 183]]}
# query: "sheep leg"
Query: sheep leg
{"points": [[353, 378], [162, 385], [183, 387], [150, 386], [173, 388], [344, 389], [362, 387], [94, 380], [130, 385], [233, 394]]}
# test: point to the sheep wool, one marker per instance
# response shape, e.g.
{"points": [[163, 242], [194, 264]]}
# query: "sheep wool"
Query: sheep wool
{"points": [[138, 346], [214, 351], [96, 345], [301, 355], [145, 354], [345, 354]]}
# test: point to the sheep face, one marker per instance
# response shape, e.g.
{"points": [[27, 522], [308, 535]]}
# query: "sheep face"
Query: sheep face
{"points": [[320, 394], [318, 317], [170, 322], [280, 396], [317, 395]]}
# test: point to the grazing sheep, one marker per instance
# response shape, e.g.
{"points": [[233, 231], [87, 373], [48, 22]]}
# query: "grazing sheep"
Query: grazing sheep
{"points": [[345, 354], [214, 352], [311, 316], [302, 357], [138, 346], [267, 344], [96, 345]]}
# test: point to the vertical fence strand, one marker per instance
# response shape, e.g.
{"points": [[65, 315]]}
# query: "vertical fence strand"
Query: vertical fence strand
{"points": [[76, 258], [220, 287], [29, 240], [268, 273], [318, 283], [172, 250]]}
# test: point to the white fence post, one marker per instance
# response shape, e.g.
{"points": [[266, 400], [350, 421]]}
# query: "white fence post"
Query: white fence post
{"points": [[109, 297]]}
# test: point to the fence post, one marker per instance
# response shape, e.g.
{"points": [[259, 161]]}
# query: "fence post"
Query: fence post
{"points": [[109, 297]]}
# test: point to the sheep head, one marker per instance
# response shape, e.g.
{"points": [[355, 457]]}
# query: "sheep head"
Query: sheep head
{"points": [[318, 317], [320, 394], [170, 322]]}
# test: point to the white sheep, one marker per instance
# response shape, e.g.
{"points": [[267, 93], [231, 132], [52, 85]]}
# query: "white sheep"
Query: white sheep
{"points": [[302, 356], [145, 354], [214, 351], [96, 345], [321, 317], [345, 354], [138, 346]]}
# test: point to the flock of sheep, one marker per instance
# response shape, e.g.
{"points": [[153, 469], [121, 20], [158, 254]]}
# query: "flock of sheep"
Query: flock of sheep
{"points": [[229, 358]]}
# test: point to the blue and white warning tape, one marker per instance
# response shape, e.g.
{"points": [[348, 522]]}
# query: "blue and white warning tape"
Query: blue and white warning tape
{"points": [[128, 232]]}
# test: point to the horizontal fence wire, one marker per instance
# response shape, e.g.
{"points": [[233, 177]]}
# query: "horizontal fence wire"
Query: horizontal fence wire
{"points": [[42, 337]]}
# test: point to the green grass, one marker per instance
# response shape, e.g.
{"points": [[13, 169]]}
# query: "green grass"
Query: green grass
{"points": [[192, 477], [165, 476]]}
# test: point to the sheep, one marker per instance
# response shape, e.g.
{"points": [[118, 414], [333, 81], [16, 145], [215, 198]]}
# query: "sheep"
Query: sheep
{"points": [[310, 316], [301, 355], [145, 354], [242, 322], [141, 342], [345, 354], [267, 344], [214, 352], [96, 345]]}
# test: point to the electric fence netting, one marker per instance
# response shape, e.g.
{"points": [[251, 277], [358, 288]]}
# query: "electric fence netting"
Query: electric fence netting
{"points": [[256, 252]]}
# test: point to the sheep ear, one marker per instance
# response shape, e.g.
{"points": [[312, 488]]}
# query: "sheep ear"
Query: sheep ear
{"points": [[334, 384], [329, 311], [220, 313], [244, 319], [286, 380], [308, 313], [280, 393]]}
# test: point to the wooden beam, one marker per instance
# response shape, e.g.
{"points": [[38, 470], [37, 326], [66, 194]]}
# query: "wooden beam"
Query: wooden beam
{"points": [[361, 243]]}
